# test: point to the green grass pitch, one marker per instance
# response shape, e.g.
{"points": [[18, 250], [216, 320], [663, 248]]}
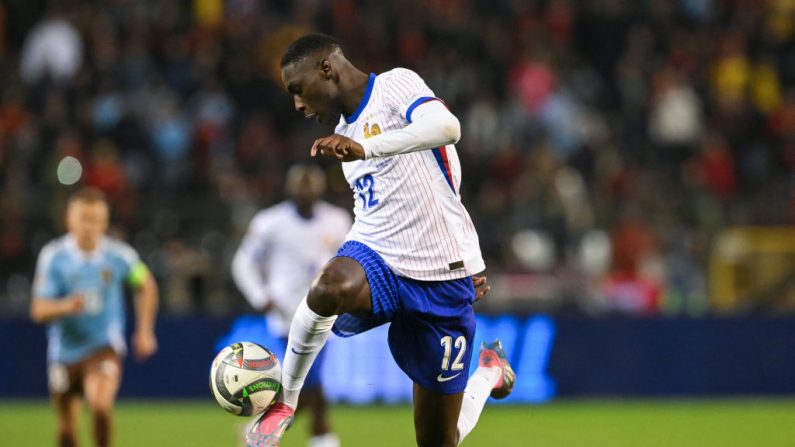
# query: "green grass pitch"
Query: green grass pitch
{"points": [[720, 423]]}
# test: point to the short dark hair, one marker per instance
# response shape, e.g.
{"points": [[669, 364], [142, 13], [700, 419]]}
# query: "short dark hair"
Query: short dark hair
{"points": [[306, 45], [88, 195]]}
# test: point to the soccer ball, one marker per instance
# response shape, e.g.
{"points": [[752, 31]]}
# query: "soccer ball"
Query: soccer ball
{"points": [[245, 378]]}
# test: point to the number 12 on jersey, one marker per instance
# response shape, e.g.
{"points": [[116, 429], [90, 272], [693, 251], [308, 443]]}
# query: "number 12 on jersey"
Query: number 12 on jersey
{"points": [[364, 188]]}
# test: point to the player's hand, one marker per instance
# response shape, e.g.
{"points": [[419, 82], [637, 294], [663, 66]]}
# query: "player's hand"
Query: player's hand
{"points": [[74, 304], [144, 344], [338, 147], [482, 287]]}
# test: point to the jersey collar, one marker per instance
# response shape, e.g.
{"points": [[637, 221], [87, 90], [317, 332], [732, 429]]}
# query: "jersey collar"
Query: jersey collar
{"points": [[355, 115], [81, 256], [298, 215]]}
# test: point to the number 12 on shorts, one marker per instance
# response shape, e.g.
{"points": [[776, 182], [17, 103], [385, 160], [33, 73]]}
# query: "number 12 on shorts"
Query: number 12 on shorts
{"points": [[460, 345]]}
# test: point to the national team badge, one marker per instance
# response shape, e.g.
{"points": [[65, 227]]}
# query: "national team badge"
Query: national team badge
{"points": [[107, 276], [371, 131]]}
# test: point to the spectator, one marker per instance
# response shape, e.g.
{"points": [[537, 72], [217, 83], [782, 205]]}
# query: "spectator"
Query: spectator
{"points": [[572, 112], [53, 51]]}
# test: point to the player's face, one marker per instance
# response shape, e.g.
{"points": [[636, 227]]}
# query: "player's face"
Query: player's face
{"points": [[304, 188], [314, 90], [87, 222]]}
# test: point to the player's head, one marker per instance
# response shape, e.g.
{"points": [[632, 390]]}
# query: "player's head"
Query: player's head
{"points": [[87, 217], [305, 185], [311, 69]]}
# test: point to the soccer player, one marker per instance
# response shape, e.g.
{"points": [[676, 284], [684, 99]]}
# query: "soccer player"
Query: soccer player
{"points": [[285, 246], [411, 256], [78, 292]]}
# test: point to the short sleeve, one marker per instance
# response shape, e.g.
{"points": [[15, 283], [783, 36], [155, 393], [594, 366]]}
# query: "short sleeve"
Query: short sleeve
{"points": [[47, 282], [406, 90], [128, 260]]}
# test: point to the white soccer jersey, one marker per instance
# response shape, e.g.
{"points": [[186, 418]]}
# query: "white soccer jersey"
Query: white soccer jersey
{"points": [[408, 208], [282, 252]]}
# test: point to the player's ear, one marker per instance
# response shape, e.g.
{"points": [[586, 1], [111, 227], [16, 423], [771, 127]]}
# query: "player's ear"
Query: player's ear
{"points": [[325, 68]]}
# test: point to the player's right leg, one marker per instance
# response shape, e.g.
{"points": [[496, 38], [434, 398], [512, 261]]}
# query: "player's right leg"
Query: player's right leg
{"points": [[100, 384], [67, 409], [64, 384], [340, 287]]}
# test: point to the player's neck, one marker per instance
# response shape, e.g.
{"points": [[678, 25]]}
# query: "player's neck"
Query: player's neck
{"points": [[86, 248], [354, 84], [305, 211]]}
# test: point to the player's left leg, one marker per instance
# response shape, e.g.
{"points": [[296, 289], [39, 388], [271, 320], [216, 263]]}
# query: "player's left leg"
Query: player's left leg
{"points": [[431, 340], [494, 377], [100, 384], [436, 417]]}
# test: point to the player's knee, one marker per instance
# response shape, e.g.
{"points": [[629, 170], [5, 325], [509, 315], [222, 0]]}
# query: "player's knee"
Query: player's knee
{"points": [[333, 292], [101, 408]]}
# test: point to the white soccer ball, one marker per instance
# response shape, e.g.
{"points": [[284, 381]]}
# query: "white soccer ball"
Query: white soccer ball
{"points": [[245, 378]]}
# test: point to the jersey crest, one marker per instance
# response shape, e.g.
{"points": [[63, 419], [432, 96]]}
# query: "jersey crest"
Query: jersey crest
{"points": [[371, 131]]}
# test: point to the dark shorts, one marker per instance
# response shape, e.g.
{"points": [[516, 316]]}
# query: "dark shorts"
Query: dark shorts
{"points": [[67, 380], [432, 322]]}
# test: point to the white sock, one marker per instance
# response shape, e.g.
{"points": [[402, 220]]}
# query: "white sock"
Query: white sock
{"points": [[308, 333], [326, 440], [476, 393]]}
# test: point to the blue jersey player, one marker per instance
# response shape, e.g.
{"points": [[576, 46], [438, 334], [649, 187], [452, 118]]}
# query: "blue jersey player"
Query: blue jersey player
{"points": [[412, 257], [79, 293]]}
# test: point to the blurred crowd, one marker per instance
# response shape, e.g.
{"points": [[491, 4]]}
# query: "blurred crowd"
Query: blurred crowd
{"points": [[605, 142]]}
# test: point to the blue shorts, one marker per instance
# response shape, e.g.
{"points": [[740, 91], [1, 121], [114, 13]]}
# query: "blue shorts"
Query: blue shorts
{"points": [[433, 323]]}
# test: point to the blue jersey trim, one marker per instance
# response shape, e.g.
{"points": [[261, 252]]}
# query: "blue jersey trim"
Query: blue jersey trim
{"points": [[418, 102], [365, 99]]}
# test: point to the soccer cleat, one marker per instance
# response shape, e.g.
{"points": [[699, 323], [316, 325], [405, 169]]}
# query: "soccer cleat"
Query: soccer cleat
{"points": [[270, 427], [493, 356]]}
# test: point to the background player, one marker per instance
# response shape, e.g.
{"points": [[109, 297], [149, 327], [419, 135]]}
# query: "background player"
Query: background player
{"points": [[411, 254], [78, 292], [285, 246]]}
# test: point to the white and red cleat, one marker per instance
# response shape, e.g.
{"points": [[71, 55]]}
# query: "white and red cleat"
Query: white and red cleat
{"points": [[270, 427]]}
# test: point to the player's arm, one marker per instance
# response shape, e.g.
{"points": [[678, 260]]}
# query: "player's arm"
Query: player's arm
{"points": [[146, 303], [50, 301], [431, 125], [44, 310], [247, 270]]}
